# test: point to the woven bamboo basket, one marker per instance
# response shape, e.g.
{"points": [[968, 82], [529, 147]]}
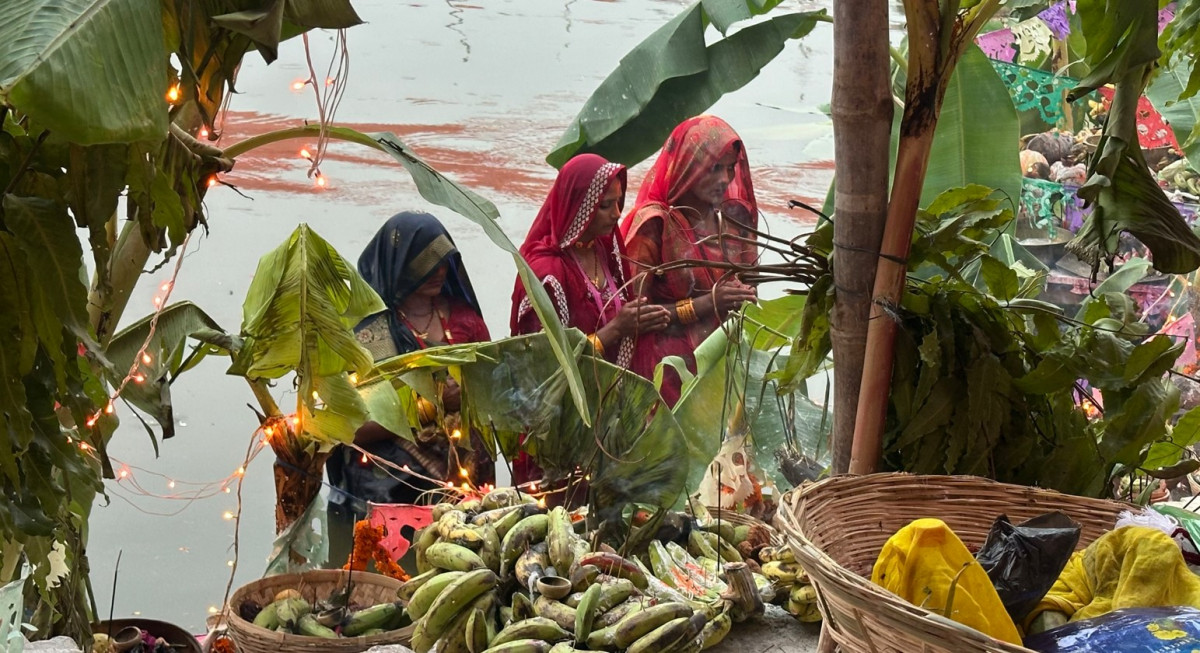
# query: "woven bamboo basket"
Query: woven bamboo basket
{"points": [[369, 589], [837, 527]]}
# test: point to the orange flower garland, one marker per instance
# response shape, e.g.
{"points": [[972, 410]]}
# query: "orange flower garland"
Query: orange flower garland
{"points": [[367, 545]]}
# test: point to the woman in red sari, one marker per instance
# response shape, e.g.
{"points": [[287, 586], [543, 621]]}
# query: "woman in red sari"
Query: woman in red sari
{"points": [[696, 203], [574, 250]]}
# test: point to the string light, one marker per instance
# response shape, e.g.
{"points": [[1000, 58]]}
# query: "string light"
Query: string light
{"points": [[456, 434], [299, 84], [320, 180], [330, 81], [174, 93], [212, 181], [204, 132], [305, 154], [146, 359], [227, 516], [462, 471]]}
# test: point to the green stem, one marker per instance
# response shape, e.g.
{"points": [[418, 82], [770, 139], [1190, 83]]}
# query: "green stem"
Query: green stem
{"points": [[308, 131], [899, 58], [263, 394]]}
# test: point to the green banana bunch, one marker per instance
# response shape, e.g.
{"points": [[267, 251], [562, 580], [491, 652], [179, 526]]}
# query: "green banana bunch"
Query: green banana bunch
{"points": [[308, 625], [456, 596], [539, 628], [453, 557], [376, 616]]}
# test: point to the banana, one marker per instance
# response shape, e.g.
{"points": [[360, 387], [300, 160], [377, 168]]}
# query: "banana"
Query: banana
{"points": [[424, 597], [454, 640], [491, 517], [289, 593], [440, 511], [268, 617], [780, 573], [661, 638], [521, 646], [614, 565], [780, 554], [740, 533], [308, 626], [504, 497], [613, 591], [522, 607], [506, 615], [450, 522], [532, 564], [506, 523], [803, 594], [373, 617], [457, 596], [527, 532], [289, 612], [558, 538], [560, 613], [453, 557], [534, 628], [573, 599], [804, 612], [585, 612], [619, 612], [700, 547], [639, 624], [716, 630], [470, 506], [672, 636], [490, 551], [410, 586], [579, 549], [582, 576], [465, 536], [425, 538], [562, 647], [477, 631]]}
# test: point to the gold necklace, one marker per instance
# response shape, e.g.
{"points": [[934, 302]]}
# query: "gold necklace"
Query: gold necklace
{"points": [[422, 333]]}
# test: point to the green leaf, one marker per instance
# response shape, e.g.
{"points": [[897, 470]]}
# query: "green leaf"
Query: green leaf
{"points": [[1121, 37], [91, 71], [1152, 358], [46, 234], [97, 175], [384, 408], [1001, 280], [264, 26], [955, 197], [1181, 468], [175, 325], [670, 76], [1180, 42], [322, 14], [775, 321], [1184, 434], [341, 412], [299, 313], [963, 153], [18, 345]]}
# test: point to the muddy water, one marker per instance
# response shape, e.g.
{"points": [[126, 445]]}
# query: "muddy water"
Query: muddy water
{"points": [[482, 91]]}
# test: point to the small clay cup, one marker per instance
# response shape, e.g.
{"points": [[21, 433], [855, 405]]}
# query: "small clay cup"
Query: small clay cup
{"points": [[554, 587]]}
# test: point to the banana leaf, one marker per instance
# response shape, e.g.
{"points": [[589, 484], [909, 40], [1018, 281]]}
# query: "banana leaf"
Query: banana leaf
{"points": [[298, 316], [1166, 93], [92, 71], [734, 366], [673, 75], [166, 349], [277, 20]]}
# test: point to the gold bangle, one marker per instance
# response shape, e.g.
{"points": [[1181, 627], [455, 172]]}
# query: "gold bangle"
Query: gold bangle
{"points": [[685, 310], [597, 344]]}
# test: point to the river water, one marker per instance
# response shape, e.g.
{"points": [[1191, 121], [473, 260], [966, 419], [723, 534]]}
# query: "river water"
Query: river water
{"points": [[482, 92]]}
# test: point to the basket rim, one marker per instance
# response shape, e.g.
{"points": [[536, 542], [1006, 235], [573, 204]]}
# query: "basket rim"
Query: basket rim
{"points": [[236, 625], [886, 607]]}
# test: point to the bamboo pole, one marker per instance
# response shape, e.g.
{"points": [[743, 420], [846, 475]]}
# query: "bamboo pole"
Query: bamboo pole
{"points": [[862, 122]]}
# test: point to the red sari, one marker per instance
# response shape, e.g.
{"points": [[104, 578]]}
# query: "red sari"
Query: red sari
{"points": [[658, 231], [563, 218], [578, 301]]}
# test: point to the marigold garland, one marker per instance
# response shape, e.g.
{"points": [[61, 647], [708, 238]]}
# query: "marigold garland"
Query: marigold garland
{"points": [[368, 546], [223, 644]]}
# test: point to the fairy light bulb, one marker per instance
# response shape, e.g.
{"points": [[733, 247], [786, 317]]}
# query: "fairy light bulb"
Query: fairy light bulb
{"points": [[138, 378], [171, 484], [240, 471], [456, 434], [174, 93], [365, 460], [305, 154], [227, 516], [146, 359], [204, 132], [541, 502], [320, 180], [109, 408], [462, 471], [299, 84], [124, 473]]}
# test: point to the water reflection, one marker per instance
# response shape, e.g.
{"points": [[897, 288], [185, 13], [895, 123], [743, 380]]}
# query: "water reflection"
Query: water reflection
{"points": [[456, 15]]}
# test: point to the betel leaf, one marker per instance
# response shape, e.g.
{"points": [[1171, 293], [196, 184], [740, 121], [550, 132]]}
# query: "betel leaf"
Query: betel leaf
{"points": [[1184, 434], [91, 71], [1152, 358], [299, 313], [673, 75], [1001, 280]]}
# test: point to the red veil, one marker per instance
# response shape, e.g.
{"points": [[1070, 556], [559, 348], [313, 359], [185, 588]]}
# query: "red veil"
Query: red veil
{"points": [[657, 231], [565, 215]]}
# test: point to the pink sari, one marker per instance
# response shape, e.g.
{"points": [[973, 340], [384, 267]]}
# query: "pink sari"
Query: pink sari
{"points": [[657, 231]]}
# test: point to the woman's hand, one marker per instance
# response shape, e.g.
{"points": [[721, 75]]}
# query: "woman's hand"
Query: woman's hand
{"points": [[637, 316], [725, 297]]}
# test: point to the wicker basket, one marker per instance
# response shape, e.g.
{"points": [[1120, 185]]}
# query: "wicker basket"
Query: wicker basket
{"points": [[837, 527], [369, 589]]}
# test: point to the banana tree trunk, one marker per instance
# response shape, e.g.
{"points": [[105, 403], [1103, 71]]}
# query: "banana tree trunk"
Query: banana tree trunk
{"points": [[862, 121]]}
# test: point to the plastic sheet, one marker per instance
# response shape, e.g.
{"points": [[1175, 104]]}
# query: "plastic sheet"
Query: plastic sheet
{"points": [[1131, 630], [1023, 560]]}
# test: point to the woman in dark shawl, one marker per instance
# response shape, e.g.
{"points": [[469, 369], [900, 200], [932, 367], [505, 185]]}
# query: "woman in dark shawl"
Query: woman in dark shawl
{"points": [[414, 267]]}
